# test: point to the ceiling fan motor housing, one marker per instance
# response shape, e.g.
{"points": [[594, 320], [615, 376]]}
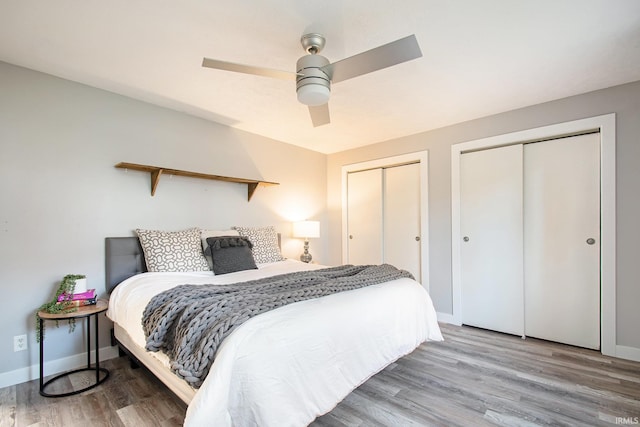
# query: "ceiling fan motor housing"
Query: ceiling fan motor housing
{"points": [[313, 85]]}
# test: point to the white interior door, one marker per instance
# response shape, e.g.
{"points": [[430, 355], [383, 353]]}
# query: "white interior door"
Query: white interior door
{"points": [[402, 218], [491, 252], [562, 212], [364, 217]]}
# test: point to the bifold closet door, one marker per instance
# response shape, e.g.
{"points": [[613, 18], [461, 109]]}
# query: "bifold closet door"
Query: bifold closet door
{"points": [[491, 222], [402, 247], [562, 240], [364, 217]]}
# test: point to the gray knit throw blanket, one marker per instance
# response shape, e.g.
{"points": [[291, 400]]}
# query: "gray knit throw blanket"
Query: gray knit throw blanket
{"points": [[189, 322]]}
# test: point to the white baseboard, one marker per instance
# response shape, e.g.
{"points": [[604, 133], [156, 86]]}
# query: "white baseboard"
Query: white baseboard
{"points": [[447, 318], [629, 353], [52, 367]]}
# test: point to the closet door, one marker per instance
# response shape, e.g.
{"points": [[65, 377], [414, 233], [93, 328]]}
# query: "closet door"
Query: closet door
{"points": [[562, 240], [364, 217], [491, 252], [402, 218]]}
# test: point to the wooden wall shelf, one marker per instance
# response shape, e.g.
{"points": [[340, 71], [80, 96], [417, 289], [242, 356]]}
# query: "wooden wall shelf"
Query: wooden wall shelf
{"points": [[156, 172]]}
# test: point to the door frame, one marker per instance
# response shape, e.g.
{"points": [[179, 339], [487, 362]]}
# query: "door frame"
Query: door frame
{"points": [[606, 125], [421, 157]]}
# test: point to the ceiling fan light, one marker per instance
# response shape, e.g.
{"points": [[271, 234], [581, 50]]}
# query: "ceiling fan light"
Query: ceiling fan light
{"points": [[313, 85], [313, 94]]}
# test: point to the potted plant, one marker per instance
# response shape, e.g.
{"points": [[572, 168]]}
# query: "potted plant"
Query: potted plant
{"points": [[66, 289]]}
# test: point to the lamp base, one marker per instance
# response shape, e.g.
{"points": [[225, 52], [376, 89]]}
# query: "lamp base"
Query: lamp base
{"points": [[306, 256]]}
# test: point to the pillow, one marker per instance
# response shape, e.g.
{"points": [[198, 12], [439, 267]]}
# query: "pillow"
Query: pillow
{"points": [[172, 250], [213, 233], [230, 254], [265, 243]]}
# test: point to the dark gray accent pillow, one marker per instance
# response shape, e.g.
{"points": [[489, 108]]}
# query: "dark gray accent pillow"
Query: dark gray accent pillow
{"points": [[231, 253]]}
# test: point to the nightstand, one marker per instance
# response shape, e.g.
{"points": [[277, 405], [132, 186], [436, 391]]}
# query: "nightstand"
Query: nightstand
{"points": [[82, 312]]}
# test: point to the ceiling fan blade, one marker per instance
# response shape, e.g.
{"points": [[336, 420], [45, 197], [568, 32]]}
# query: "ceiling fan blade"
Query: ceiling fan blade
{"points": [[248, 69], [319, 115], [384, 56]]}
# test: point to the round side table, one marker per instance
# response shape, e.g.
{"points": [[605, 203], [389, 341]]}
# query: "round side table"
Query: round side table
{"points": [[83, 312]]}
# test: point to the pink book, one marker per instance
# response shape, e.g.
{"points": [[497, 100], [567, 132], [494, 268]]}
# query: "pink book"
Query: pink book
{"points": [[88, 294]]}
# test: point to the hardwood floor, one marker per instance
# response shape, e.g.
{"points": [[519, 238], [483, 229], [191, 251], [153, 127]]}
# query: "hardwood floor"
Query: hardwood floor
{"points": [[129, 397], [473, 378]]}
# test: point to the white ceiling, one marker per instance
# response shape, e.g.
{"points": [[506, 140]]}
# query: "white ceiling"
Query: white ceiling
{"points": [[480, 57]]}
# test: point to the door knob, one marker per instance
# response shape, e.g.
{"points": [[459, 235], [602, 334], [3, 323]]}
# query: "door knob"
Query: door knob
{"points": [[465, 238], [351, 236], [591, 241], [417, 238]]}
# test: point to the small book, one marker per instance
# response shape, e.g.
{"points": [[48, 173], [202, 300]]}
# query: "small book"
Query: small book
{"points": [[88, 294], [80, 302]]}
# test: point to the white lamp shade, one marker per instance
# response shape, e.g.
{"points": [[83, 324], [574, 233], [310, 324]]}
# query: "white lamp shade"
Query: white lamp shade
{"points": [[306, 229]]}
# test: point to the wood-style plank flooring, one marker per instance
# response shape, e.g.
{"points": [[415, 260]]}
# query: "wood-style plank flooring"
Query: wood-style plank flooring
{"points": [[473, 378]]}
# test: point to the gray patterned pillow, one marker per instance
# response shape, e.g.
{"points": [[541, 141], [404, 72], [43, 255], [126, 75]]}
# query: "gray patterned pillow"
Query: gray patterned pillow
{"points": [[265, 243], [172, 250]]}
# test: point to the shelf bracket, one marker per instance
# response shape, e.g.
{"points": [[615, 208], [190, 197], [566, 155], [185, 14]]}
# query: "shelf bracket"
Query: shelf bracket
{"points": [[155, 179], [251, 188]]}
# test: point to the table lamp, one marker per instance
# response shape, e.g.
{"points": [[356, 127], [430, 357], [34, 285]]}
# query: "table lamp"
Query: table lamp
{"points": [[306, 230]]}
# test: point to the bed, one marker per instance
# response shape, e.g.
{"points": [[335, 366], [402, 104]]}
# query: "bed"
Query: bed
{"points": [[284, 367]]}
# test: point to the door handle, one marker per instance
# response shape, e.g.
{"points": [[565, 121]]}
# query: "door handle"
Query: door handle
{"points": [[465, 238], [350, 236], [591, 241]]}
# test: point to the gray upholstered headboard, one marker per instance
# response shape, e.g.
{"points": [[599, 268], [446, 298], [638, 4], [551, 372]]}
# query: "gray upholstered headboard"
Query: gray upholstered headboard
{"points": [[124, 258]]}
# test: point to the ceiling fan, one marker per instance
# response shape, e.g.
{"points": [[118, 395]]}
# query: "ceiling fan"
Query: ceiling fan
{"points": [[314, 73]]}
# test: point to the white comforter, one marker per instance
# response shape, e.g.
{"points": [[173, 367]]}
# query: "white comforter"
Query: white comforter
{"points": [[287, 366]]}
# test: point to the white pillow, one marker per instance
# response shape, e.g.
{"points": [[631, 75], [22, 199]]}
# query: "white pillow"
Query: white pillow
{"points": [[213, 233], [265, 243], [172, 250]]}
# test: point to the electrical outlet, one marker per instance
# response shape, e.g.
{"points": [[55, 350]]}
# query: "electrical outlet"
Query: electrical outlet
{"points": [[20, 343]]}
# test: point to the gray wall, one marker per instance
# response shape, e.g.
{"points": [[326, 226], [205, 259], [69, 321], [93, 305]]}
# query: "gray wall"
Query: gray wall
{"points": [[61, 196], [623, 100]]}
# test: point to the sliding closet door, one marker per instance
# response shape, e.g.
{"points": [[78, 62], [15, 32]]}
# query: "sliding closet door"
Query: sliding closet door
{"points": [[402, 218], [562, 240], [491, 251], [364, 217]]}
